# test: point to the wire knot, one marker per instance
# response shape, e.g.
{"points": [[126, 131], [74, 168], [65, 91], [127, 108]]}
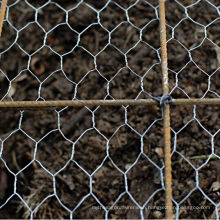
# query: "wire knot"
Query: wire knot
{"points": [[163, 100]]}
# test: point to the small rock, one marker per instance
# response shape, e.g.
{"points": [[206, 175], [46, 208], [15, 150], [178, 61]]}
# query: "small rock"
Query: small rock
{"points": [[215, 186], [159, 151], [157, 214], [127, 166]]}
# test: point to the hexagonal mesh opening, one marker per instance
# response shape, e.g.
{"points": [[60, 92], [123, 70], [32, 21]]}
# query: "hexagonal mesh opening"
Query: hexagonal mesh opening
{"points": [[96, 161]]}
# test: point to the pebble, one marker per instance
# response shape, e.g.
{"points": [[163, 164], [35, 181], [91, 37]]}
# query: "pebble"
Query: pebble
{"points": [[157, 214]]}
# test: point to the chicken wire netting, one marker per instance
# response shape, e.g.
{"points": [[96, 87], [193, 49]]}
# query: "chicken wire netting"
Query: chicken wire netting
{"points": [[107, 161]]}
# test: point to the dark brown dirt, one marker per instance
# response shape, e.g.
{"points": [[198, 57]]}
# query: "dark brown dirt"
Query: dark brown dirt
{"points": [[73, 143]]}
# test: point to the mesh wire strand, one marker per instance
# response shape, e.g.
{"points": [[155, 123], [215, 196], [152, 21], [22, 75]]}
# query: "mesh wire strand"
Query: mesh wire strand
{"points": [[142, 90]]}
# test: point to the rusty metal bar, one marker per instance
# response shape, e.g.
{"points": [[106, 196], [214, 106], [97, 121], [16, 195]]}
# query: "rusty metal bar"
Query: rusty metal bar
{"points": [[74, 103], [2, 14], [118, 102], [167, 132]]}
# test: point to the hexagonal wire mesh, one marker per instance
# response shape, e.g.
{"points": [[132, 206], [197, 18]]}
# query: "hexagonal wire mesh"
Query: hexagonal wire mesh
{"points": [[107, 162]]}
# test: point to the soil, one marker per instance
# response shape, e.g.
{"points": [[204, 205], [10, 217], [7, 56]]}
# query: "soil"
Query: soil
{"points": [[76, 158]]}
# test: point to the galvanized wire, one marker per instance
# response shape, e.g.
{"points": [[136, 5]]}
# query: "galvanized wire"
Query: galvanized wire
{"points": [[125, 103]]}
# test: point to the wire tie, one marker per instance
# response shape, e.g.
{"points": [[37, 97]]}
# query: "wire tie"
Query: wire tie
{"points": [[163, 100]]}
